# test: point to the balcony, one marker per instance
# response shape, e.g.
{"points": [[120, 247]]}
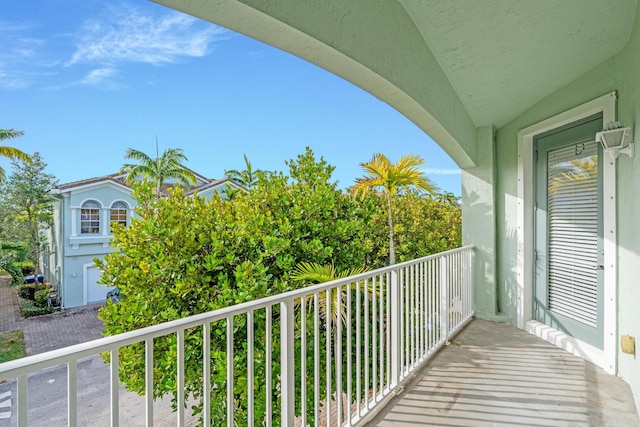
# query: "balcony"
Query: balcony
{"points": [[342, 353]]}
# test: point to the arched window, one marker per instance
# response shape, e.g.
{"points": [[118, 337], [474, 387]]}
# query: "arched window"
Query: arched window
{"points": [[119, 213], [90, 218]]}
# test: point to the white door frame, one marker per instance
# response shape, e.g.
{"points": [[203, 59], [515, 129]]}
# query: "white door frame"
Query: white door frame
{"points": [[85, 281], [605, 358]]}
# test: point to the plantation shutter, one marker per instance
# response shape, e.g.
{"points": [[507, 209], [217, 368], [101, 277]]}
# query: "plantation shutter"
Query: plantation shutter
{"points": [[572, 209]]}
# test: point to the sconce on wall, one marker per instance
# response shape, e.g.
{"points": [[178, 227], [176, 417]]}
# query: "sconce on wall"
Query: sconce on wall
{"points": [[612, 140]]}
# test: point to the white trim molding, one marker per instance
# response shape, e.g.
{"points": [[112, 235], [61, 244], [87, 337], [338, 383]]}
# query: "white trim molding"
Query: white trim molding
{"points": [[605, 358]]}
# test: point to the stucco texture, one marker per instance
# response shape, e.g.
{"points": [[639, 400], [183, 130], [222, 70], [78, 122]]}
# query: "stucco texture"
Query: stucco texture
{"points": [[619, 73]]}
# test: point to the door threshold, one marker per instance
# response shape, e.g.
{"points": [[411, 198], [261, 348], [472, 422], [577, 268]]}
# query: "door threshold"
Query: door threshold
{"points": [[568, 343]]}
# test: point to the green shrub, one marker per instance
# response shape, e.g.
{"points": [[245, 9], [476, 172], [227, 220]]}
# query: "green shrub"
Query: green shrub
{"points": [[27, 267], [42, 297], [29, 308], [28, 291], [14, 271]]}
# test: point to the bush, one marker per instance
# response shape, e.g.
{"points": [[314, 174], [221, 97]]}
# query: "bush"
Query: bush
{"points": [[42, 297], [14, 271], [27, 267], [29, 291], [29, 308]]}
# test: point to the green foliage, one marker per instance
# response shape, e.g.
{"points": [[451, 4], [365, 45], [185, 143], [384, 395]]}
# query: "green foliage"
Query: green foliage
{"points": [[158, 169], [12, 346], [41, 297], [29, 291], [423, 225], [29, 308], [184, 256], [26, 267], [26, 208], [14, 271]]}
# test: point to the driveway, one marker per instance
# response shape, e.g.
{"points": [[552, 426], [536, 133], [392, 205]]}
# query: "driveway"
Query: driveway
{"points": [[51, 331]]}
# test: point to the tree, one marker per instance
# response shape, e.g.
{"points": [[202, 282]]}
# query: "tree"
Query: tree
{"points": [[10, 152], [248, 177], [27, 204], [188, 255], [393, 179], [158, 169]]}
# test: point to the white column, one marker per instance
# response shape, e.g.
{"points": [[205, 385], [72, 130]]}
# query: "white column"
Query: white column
{"points": [[106, 226], [74, 222]]}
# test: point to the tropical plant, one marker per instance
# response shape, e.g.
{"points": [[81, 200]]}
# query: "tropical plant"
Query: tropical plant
{"points": [[311, 272], [188, 255], [393, 179], [26, 205], [157, 169], [247, 177], [10, 152]]}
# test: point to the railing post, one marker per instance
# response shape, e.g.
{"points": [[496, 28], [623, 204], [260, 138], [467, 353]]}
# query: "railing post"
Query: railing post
{"points": [[395, 330], [287, 365], [444, 299]]}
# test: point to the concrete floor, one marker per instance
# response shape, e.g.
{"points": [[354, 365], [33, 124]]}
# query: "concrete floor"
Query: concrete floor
{"points": [[493, 374]]}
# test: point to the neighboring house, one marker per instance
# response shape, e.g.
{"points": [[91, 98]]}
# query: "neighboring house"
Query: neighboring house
{"points": [[81, 231]]}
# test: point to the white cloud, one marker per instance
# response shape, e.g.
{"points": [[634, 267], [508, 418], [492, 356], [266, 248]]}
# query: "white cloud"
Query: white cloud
{"points": [[98, 76], [431, 171], [127, 35]]}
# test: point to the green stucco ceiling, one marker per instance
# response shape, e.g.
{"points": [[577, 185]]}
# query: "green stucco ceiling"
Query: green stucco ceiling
{"points": [[503, 56], [450, 66]]}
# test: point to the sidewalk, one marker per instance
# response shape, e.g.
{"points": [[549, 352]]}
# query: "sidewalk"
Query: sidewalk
{"points": [[51, 331]]}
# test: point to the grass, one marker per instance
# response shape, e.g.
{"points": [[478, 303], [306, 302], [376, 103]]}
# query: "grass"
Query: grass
{"points": [[12, 346]]}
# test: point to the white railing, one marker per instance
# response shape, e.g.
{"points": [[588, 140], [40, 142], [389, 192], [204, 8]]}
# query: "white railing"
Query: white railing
{"points": [[326, 355]]}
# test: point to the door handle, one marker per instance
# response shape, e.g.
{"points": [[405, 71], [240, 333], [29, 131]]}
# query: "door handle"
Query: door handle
{"points": [[598, 267]]}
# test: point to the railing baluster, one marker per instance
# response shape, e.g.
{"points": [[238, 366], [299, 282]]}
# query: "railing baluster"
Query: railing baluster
{"points": [[349, 355], [206, 374], [366, 344], [268, 338], [148, 379], [374, 339], [396, 328], [72, 393], [388, 328], [381, 335], [316, 358], [303, 361], [359, 346], [114, 386], [250, 368], [287, 363], [444, 298], [230, 383], [338, 349], [180, 378], [22, 400], [328, 350]]}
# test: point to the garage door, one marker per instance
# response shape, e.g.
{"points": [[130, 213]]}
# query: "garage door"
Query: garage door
{"points": [[94, 292]]}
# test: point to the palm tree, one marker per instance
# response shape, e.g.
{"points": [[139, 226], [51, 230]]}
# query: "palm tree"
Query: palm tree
{"points": [[393, 179], [158, 169], [313, 273], [247, 177], [10, 152]]}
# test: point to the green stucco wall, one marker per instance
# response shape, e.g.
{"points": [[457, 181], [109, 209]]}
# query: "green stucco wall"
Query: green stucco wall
{"points": [[621, 74]]}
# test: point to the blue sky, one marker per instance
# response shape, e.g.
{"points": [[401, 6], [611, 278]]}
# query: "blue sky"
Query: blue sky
{"points": [[86, 79]]}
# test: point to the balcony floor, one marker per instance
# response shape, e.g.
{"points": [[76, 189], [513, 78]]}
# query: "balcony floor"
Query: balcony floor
{"points": [[495, 374]]}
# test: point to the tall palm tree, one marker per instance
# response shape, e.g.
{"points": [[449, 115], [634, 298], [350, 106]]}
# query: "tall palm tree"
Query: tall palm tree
{"points": [[158, 169], [392, 179], [247, 177], [10, 152]]}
